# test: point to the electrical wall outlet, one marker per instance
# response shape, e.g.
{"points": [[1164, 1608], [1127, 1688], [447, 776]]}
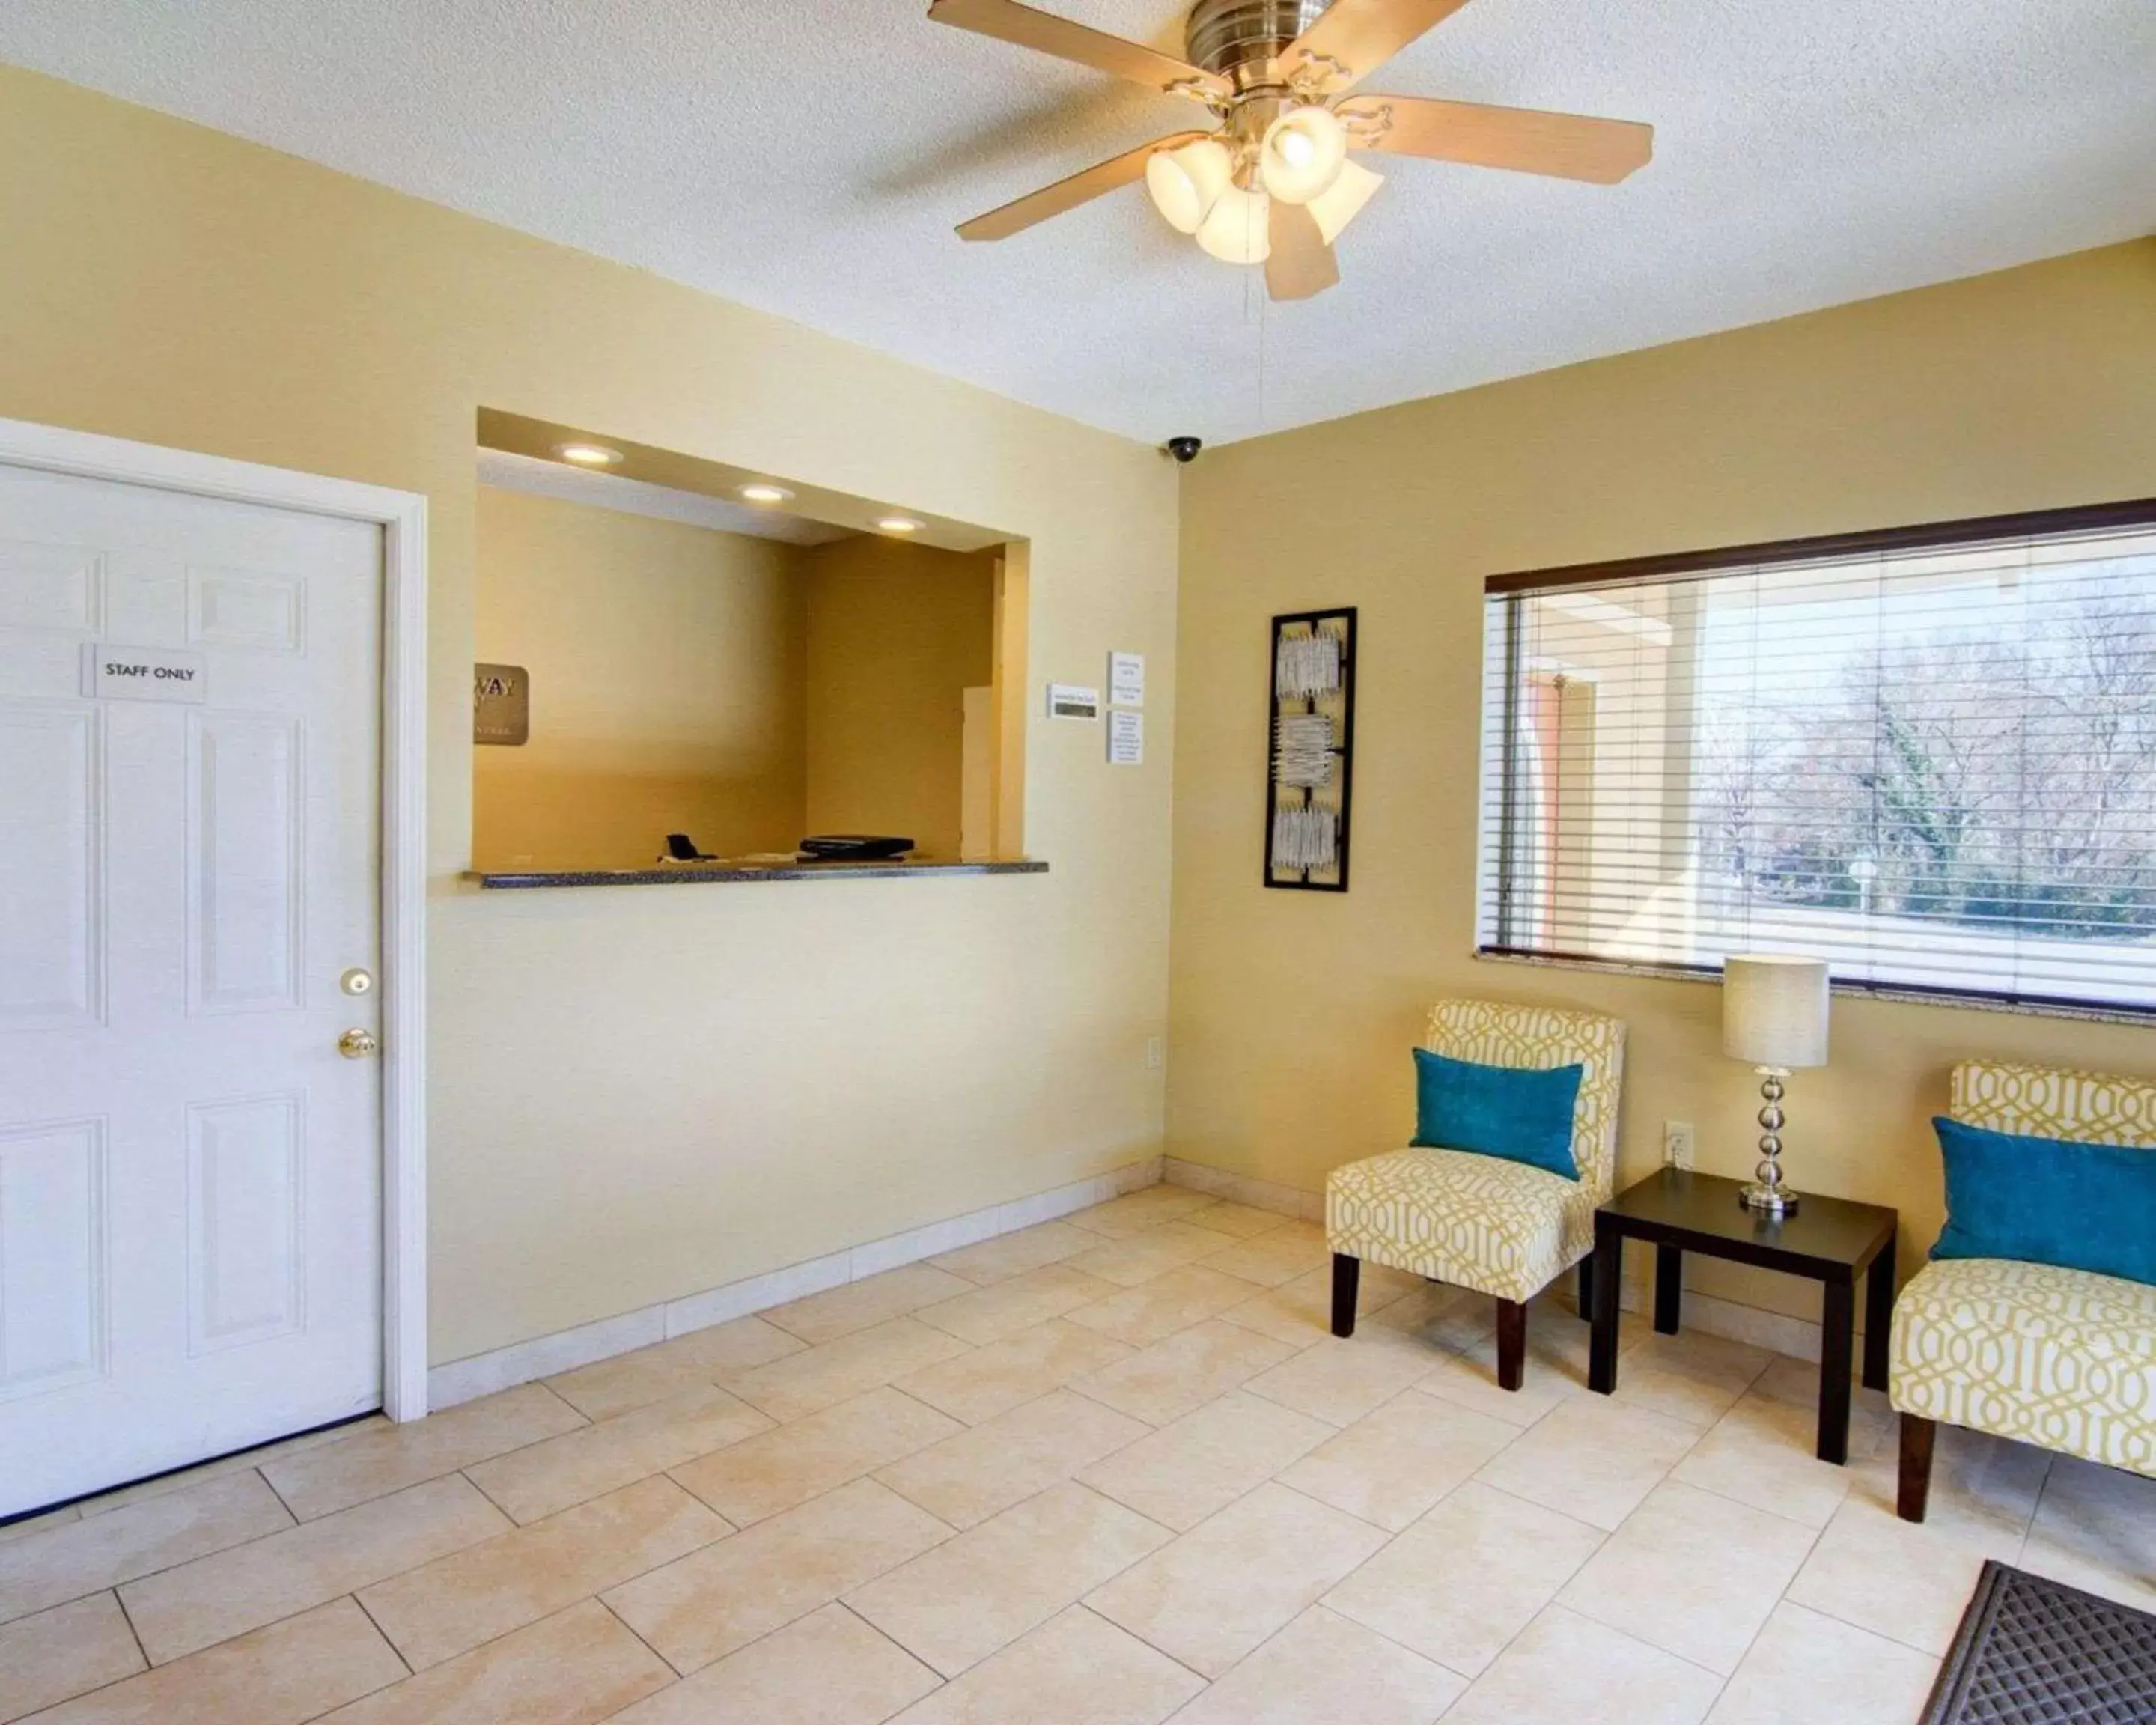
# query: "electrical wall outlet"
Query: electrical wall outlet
{"points": [[1156, 1054], [1677, 1143]]}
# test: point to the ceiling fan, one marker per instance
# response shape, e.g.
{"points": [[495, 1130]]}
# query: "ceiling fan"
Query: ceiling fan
{"points": [[1273, 182]]}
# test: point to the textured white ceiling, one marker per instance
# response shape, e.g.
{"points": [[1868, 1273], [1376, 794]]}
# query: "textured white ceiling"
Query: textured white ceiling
{"points": [[810, 158]]}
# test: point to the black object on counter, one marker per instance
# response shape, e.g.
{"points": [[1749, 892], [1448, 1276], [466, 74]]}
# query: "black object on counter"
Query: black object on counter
{"points": [[853, 847]]}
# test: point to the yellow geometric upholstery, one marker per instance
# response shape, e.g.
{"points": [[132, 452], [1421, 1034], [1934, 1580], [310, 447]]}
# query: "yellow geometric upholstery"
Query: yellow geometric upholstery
{"points": [[2054, 1102], [1480, 1222], [2064, 1359]]}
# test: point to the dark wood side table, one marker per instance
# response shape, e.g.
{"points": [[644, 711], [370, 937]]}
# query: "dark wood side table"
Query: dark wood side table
{"points": [[1829, 1239]]}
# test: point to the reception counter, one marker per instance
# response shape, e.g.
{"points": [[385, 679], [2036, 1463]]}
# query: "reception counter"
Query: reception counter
{"points": [[707, 874]]}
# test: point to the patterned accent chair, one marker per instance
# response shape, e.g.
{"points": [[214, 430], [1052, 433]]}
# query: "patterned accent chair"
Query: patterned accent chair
{"points": [[1479, 1221], [2062, 1358]]}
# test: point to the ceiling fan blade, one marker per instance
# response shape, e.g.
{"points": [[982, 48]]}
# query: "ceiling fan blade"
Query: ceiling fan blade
{"points": [[1300, 265], [1573, 146], [1045, 34], [1080, 188], [1359, 36]]}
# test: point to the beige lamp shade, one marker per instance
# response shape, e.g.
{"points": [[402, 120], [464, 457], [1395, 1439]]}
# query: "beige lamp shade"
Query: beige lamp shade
{"points": [[1774, 1010]]}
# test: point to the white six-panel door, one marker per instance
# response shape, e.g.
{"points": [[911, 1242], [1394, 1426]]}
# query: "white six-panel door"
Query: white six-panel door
{"points": [[190, 1170]]}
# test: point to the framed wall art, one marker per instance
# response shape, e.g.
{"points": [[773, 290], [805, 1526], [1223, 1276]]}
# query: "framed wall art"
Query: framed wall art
{"points": [[1310, 769]]}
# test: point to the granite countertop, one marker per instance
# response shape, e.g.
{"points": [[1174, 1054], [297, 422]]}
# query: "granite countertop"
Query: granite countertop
{"points": [[703, 874]]}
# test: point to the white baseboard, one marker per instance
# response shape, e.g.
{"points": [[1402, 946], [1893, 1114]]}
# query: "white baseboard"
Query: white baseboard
{"points": [[544, 1356], [1775, 1331], [522, 1362], [1707, 1313], [1240, 1188]]}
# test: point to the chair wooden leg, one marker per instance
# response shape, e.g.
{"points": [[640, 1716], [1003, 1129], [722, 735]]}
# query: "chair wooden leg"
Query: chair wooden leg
{"points": [[1512, 1344], [1346, 1280], [1918, 1435]]}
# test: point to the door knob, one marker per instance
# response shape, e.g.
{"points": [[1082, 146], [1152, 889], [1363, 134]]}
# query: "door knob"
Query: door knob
{"points": [[356, 1044]]}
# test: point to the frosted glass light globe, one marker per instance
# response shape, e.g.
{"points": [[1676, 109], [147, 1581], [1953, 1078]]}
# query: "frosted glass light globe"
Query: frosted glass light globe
{"points": [[1342, 202], [1303, 154], [1185, 183], [1239, 230]]}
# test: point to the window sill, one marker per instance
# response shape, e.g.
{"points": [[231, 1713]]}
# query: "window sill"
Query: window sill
{"points": [[1867, 991], [705, 874]]}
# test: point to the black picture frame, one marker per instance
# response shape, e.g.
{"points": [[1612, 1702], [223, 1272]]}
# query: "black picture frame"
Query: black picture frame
{"points": [[1339, 621]]}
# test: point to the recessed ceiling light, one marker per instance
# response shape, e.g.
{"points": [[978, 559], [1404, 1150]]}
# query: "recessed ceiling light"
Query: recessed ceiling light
{"points": [[898, 524], [588, 455], [766, 494]]}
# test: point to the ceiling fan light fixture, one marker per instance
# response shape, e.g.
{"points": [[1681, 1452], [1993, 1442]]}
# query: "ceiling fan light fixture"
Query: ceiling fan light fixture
{"points": [[1186, 182], [1303, 153], [1342, 200], [1238, 229]]}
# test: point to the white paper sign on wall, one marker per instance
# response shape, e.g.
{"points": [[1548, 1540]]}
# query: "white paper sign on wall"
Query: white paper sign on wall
{"points": [[1073, 701], [1127, 679], [1125, 738], [112, 673]]}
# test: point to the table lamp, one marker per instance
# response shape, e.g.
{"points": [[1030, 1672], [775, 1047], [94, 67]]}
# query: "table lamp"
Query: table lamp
{"points": [[1773, 1014]]}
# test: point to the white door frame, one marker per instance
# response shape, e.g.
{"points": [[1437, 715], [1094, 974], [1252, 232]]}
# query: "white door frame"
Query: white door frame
{"points": [[402, 516]]}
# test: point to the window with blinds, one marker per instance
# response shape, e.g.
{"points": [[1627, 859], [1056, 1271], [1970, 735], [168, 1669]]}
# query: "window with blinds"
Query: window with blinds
{"points": [[1927, 756]]}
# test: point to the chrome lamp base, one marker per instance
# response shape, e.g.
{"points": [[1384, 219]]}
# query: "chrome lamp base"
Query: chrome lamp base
{"points": [[1766, 1193]]}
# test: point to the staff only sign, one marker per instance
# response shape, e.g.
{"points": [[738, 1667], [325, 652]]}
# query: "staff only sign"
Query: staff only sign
{"points": [[142, 674]]}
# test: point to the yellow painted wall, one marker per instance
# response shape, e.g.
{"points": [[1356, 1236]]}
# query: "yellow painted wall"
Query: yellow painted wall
{"points": [[1292, 1013], [666, 664], [896, 633], [637, 1093]]}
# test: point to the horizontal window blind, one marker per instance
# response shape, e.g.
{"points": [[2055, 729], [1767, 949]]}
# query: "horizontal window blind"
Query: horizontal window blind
{"points": [[1932, 765]]}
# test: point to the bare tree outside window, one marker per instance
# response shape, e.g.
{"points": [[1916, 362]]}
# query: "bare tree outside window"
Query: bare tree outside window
{"points": [[1937, 769]]}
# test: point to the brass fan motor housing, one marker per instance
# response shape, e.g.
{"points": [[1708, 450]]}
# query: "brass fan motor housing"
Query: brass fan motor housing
{"points": [[1239, 40]]}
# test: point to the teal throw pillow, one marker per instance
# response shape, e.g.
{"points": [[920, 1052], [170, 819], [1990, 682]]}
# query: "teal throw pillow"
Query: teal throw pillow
{"points": [[2048, 1201], [1522, 1114]]}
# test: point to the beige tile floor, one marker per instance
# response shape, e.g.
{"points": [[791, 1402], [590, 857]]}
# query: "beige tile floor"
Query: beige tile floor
{"points": [[1111, 1470]]}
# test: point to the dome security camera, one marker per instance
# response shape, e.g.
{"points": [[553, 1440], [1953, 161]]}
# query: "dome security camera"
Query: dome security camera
{"points": [[1184, 448]]}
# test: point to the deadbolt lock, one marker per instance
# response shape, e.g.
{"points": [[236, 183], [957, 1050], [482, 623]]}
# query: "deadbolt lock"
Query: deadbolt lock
{"points": [[356, 981]]}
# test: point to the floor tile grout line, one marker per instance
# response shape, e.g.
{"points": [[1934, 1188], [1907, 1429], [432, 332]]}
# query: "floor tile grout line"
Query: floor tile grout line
{"points": [[114, 1587], [128, 1618], [95, 1688], [298, 1520], [585, 1423], [1080, 1605], [464, 1474], [1275, 1478], [680, 1676], [884, 1634], [388, 1640], [94, 1505], [711, 1382], [1780, 1597], [514, 1529]]}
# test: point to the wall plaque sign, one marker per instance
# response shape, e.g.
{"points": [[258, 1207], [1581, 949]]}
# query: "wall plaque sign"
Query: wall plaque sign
{"points": [[111, 673], [501, 704], [1127, 679], [1073, 701]]}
